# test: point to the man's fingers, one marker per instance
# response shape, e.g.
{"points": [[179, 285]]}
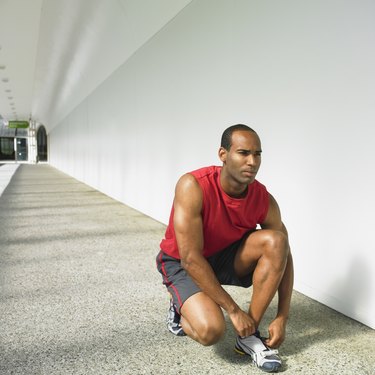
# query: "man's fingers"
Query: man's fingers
{"points": [[273, 342]]}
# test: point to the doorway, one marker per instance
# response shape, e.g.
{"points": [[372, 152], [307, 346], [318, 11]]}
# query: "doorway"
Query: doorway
{"points": [[21, 149], [41, 141], [7, 149]]}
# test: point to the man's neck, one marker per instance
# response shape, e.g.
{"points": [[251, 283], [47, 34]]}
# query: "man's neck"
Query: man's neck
{"points": [[231, 187]]}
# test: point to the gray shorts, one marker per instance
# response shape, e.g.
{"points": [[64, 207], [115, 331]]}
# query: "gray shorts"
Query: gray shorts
{"points": [[181, 286]]}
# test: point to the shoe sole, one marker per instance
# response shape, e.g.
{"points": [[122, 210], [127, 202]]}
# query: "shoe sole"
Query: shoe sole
{"points": [[239, 351]]}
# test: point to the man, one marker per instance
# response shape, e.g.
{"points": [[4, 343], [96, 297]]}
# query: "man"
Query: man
{"points": [[211, 240]]}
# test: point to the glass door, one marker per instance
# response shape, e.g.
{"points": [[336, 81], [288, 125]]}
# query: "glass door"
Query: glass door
{"points": [[21, 149]]}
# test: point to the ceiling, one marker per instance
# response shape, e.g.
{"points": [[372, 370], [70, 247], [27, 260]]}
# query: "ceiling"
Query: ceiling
{"points": [[53, 53]]}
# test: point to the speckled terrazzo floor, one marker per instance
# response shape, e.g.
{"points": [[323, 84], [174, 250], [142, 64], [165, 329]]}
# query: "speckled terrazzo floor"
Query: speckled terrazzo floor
{"points": [[79, 294]]}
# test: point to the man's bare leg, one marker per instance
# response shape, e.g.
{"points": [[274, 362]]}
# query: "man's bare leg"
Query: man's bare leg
{"points": [[202, 319], [264, 252]]}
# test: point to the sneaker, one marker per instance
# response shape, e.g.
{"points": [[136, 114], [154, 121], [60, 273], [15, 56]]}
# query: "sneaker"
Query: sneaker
{"points": [[265, 358], [173, 321]]}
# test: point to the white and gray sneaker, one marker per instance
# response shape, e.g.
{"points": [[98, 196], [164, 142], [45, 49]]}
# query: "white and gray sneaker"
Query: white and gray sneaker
{"points": [[173, 321], [265, 358]]}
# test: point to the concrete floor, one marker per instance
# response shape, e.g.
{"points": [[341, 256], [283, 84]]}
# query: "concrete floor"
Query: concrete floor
{"points": [[80, 295]]}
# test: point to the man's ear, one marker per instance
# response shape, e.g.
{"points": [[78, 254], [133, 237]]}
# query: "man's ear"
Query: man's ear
{"points": [[222, 154]]}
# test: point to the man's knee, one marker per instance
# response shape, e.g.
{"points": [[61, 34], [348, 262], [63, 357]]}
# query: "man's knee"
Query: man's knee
{"points": [[209, 333], [275, 244], [202, 319], [206, 330]]}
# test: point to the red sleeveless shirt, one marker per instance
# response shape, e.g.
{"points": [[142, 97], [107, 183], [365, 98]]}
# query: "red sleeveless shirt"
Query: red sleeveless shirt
{"points": [[225, 219]]}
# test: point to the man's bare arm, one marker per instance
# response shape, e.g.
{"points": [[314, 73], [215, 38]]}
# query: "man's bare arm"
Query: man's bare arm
{"points": [[189, 234]]}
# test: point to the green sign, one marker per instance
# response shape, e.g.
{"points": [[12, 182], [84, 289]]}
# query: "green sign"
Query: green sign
{"points": [[18, 124]]}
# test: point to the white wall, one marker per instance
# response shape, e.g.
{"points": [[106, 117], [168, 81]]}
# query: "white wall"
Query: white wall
{"points": [[301, 73]]}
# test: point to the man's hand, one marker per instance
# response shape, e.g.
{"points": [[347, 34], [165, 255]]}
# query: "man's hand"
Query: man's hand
{"points": [[276, 333], [242, 323]]}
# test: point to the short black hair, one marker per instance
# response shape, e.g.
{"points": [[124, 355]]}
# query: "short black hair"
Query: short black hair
{"points": [[226, 138]]}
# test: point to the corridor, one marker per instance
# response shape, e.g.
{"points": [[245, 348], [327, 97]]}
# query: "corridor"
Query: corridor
{"points": [[80, 295]]}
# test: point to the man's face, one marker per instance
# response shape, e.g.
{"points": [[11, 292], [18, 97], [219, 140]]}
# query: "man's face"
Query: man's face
{"points": [[241, 163]]}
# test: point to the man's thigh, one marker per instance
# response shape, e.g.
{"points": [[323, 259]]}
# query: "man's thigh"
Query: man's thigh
{"points": [[223, 264], [179, 284]]}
